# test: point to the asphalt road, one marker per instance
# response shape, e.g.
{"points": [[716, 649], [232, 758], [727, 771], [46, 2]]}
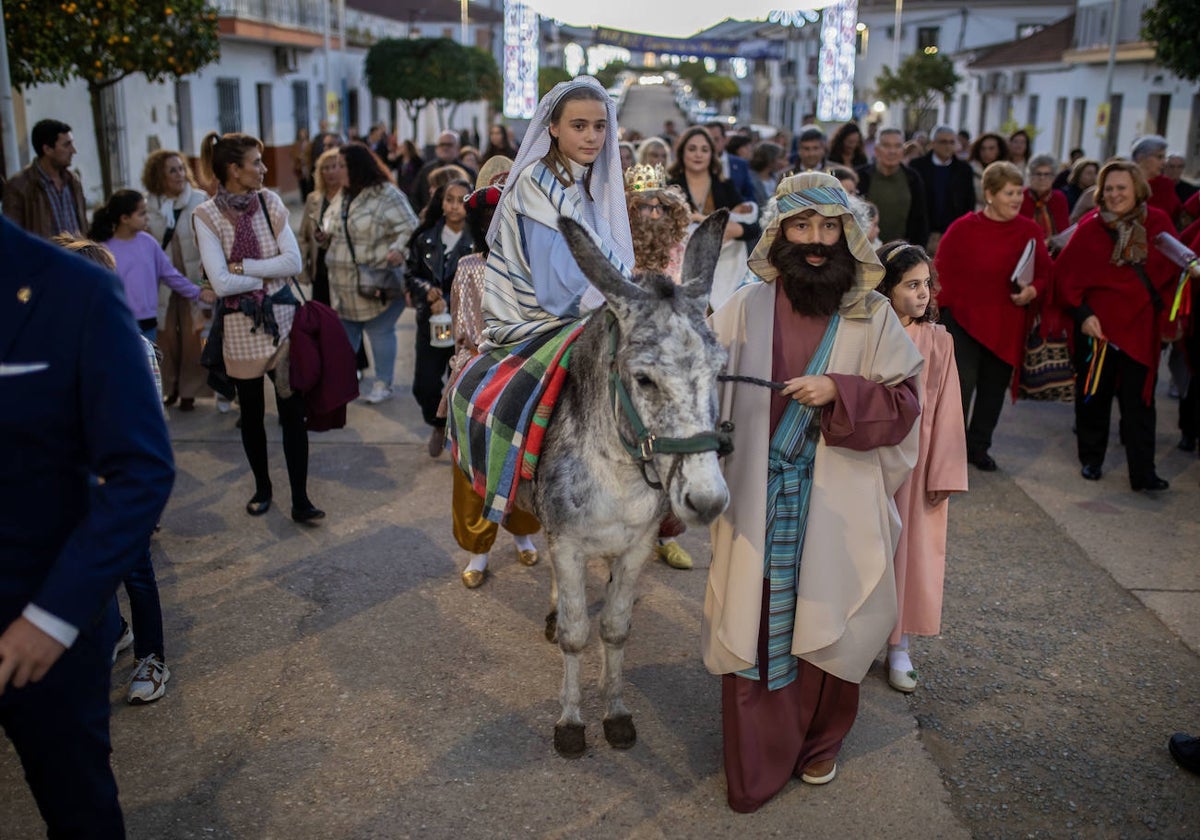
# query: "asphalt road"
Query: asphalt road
{"points": [[647, 107], [340, 681]]}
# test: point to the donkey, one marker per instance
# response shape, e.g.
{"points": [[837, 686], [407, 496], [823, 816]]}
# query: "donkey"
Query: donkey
{"points": [[593, 495]]}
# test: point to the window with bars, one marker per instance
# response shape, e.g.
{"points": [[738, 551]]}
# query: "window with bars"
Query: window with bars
{"points": [[300, 106], [229, 106]]}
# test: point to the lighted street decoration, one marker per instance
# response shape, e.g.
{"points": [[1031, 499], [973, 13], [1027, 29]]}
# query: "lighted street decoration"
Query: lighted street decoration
{"points": [[793, 17], [520, 60], [835, 72]]}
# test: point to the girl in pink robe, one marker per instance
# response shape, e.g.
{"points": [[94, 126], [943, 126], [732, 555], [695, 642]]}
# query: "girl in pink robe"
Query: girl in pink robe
{"points": [[941, 468]]}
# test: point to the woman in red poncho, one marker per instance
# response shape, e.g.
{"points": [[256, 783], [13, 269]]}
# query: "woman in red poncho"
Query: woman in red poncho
{"points": [[1044, 204], [1117, 282], [975, 261]]}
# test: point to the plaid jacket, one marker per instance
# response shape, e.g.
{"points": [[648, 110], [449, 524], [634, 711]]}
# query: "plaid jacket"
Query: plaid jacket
{"points": [[380, 219]]}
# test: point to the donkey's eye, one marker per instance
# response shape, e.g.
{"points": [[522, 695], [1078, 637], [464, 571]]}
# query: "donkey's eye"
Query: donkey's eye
{"points": [[644, 381]]}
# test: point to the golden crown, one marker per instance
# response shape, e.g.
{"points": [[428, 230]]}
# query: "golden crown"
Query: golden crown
{"points": [[641, 177]]}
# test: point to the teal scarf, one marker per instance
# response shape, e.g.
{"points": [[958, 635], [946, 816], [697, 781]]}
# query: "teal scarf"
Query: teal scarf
{"points": [[789, 485]]}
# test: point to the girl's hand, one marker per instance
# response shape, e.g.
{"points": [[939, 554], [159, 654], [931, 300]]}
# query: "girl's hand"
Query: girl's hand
{"points": [[816, 391], [1024, 297], [1091, 327], [321, 236], [433, 295], [732, 231], [936, 497], [437, 307], [697, 217], [208, 296], [744, 207], [395, 258]]}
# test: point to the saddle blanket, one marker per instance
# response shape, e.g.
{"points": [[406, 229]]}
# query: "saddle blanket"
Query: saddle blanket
{"points": [[500, 407]]}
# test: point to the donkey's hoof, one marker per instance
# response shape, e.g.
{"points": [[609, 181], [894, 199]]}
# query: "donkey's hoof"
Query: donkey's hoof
{"points": [[552, 626], [569, 739], [620, 732]]}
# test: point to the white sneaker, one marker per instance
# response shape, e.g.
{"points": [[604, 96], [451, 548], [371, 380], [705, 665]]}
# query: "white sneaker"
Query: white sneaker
{"points": [[125, 641], [224, 405], [149, 681], [379, 393]]}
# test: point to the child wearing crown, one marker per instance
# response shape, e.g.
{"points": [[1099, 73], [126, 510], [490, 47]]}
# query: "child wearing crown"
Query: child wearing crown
{"points": [[659, 221]]}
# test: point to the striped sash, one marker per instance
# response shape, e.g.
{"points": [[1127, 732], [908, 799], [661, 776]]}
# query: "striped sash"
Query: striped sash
{"points": [[789, 484]]}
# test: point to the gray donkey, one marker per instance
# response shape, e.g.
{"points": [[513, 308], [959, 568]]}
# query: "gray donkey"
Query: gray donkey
{"points": [[607, 476]]}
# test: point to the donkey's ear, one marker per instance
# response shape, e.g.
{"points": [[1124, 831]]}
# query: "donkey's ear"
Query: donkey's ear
{"points": [[700, 259], [618, 291]]}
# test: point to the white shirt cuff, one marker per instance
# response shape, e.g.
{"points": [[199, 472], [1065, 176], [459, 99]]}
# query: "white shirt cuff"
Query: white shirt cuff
{"points": [[592, 300], [53, 626]]}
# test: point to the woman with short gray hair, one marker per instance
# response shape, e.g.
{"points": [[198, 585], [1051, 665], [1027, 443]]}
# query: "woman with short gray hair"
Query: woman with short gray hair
{"points": [[1044, 204]]}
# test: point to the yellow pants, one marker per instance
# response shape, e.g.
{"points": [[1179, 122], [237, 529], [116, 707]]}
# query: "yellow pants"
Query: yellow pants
{"points": [[475, 534]]}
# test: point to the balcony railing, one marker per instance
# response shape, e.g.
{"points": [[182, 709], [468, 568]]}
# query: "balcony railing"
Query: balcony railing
{"points": [[301, 14]]}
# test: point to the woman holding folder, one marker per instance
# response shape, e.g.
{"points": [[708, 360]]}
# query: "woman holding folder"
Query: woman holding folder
{"points": [[992, 264], [1119, 285]]}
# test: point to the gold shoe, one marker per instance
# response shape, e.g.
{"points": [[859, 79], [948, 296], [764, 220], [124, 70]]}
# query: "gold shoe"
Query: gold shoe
{"points": [[675, 555], [473, 579], [528, 558]]}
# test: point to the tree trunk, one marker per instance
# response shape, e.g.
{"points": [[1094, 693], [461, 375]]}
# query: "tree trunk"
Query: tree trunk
{"points": [[101, 138]]}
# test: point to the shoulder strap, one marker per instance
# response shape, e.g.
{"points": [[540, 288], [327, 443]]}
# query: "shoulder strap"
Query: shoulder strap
{"points": [[346, 200], [262, 202], [1155, 299]]}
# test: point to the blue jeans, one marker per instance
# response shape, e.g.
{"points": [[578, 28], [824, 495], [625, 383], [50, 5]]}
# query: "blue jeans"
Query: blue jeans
{"points": [[382, 331], [145, 610]]}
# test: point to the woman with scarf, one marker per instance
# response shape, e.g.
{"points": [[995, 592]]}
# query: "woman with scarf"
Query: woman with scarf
{"points": [[172, 195], [568, 165], [1118, 283], [988, 319], [370, 223], [1044, 204], [250, 255]]}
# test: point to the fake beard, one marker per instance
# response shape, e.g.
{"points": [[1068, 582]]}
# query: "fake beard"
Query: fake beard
{"points": [[652, 242], [815, 291]]}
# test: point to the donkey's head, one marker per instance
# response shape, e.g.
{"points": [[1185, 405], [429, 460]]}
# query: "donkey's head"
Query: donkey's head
{"points": [[668, 360]]}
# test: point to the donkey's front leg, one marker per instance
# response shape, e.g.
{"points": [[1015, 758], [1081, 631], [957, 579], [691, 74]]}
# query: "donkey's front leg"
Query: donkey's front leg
{"points": [[570, 572], [615, 621]]}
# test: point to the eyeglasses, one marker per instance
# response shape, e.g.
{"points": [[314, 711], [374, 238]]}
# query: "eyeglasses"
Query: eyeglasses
{"points": [[651, 209], [445, 145], [1041, 173]]}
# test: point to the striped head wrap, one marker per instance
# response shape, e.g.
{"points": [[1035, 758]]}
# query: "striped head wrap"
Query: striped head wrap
{"points": [[825, 195]]}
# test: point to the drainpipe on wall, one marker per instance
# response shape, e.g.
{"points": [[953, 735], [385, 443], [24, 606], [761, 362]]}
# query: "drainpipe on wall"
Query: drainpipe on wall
{"points": [[8, 117]]}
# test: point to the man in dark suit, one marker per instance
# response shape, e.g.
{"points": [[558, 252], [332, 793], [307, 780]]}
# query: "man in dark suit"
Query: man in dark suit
{"points": [[85, 471], [949, 184], [733, 167]]}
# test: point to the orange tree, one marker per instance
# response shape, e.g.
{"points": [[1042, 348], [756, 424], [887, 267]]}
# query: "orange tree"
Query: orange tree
{"points": [[417, 72], [102, 42]]}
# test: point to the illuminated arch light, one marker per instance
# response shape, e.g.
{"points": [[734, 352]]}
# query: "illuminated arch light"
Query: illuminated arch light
{"points": [[793, 17], [520, 60], [835, 71]]}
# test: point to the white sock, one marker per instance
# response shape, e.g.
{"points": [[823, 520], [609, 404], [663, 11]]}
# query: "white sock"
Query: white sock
{"points": [[898, 656], [477, 563], [524, 543], [665, 540]]}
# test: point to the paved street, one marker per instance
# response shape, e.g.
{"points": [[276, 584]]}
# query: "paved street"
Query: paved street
{"points": [[340, 681], [647, 107]]}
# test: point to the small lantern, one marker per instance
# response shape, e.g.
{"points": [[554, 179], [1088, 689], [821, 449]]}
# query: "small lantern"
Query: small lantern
{"points": [[441, 333]]}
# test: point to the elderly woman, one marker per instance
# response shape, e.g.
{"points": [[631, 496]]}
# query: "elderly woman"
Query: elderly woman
{"points": [[1118, 284], [371, 223], [329, 177], [981, 308], [654, 151], [1150, 154], [1044, 204], [172, 195]]}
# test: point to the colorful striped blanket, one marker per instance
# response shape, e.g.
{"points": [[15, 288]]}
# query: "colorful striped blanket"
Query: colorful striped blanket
{"points": [[500, 407]]}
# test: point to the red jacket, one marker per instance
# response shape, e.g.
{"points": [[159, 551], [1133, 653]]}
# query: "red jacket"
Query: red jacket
{"points": [[1114, 294], [975, 261], [1164, 197], [322, 366], [1060, 214]]}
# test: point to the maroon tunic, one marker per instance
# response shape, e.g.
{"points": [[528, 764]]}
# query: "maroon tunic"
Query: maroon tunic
{"points": [[770, 736]]}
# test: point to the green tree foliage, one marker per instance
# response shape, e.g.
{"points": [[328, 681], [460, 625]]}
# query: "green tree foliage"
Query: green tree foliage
{"points": [[713, 88], [417, 72], [1171, 25], [692, 71], [607, 75], [918, 85], [548, 77], [104, 41]]}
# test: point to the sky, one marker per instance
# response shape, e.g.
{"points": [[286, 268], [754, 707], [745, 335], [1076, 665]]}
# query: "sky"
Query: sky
{"points": [[674, 18]]}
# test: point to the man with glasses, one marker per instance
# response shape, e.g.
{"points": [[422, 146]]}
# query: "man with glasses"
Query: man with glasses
{"points": [[1044, 204], [897, 190], [949, 184], [445, 153]]}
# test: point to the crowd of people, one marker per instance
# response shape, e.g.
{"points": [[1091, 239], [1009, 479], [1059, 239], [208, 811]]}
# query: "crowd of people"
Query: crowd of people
{"points": [[895, 287]]}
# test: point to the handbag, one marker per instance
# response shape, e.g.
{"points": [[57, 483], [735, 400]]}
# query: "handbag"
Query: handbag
{"points": [[1047, 374], [372, 283]]}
